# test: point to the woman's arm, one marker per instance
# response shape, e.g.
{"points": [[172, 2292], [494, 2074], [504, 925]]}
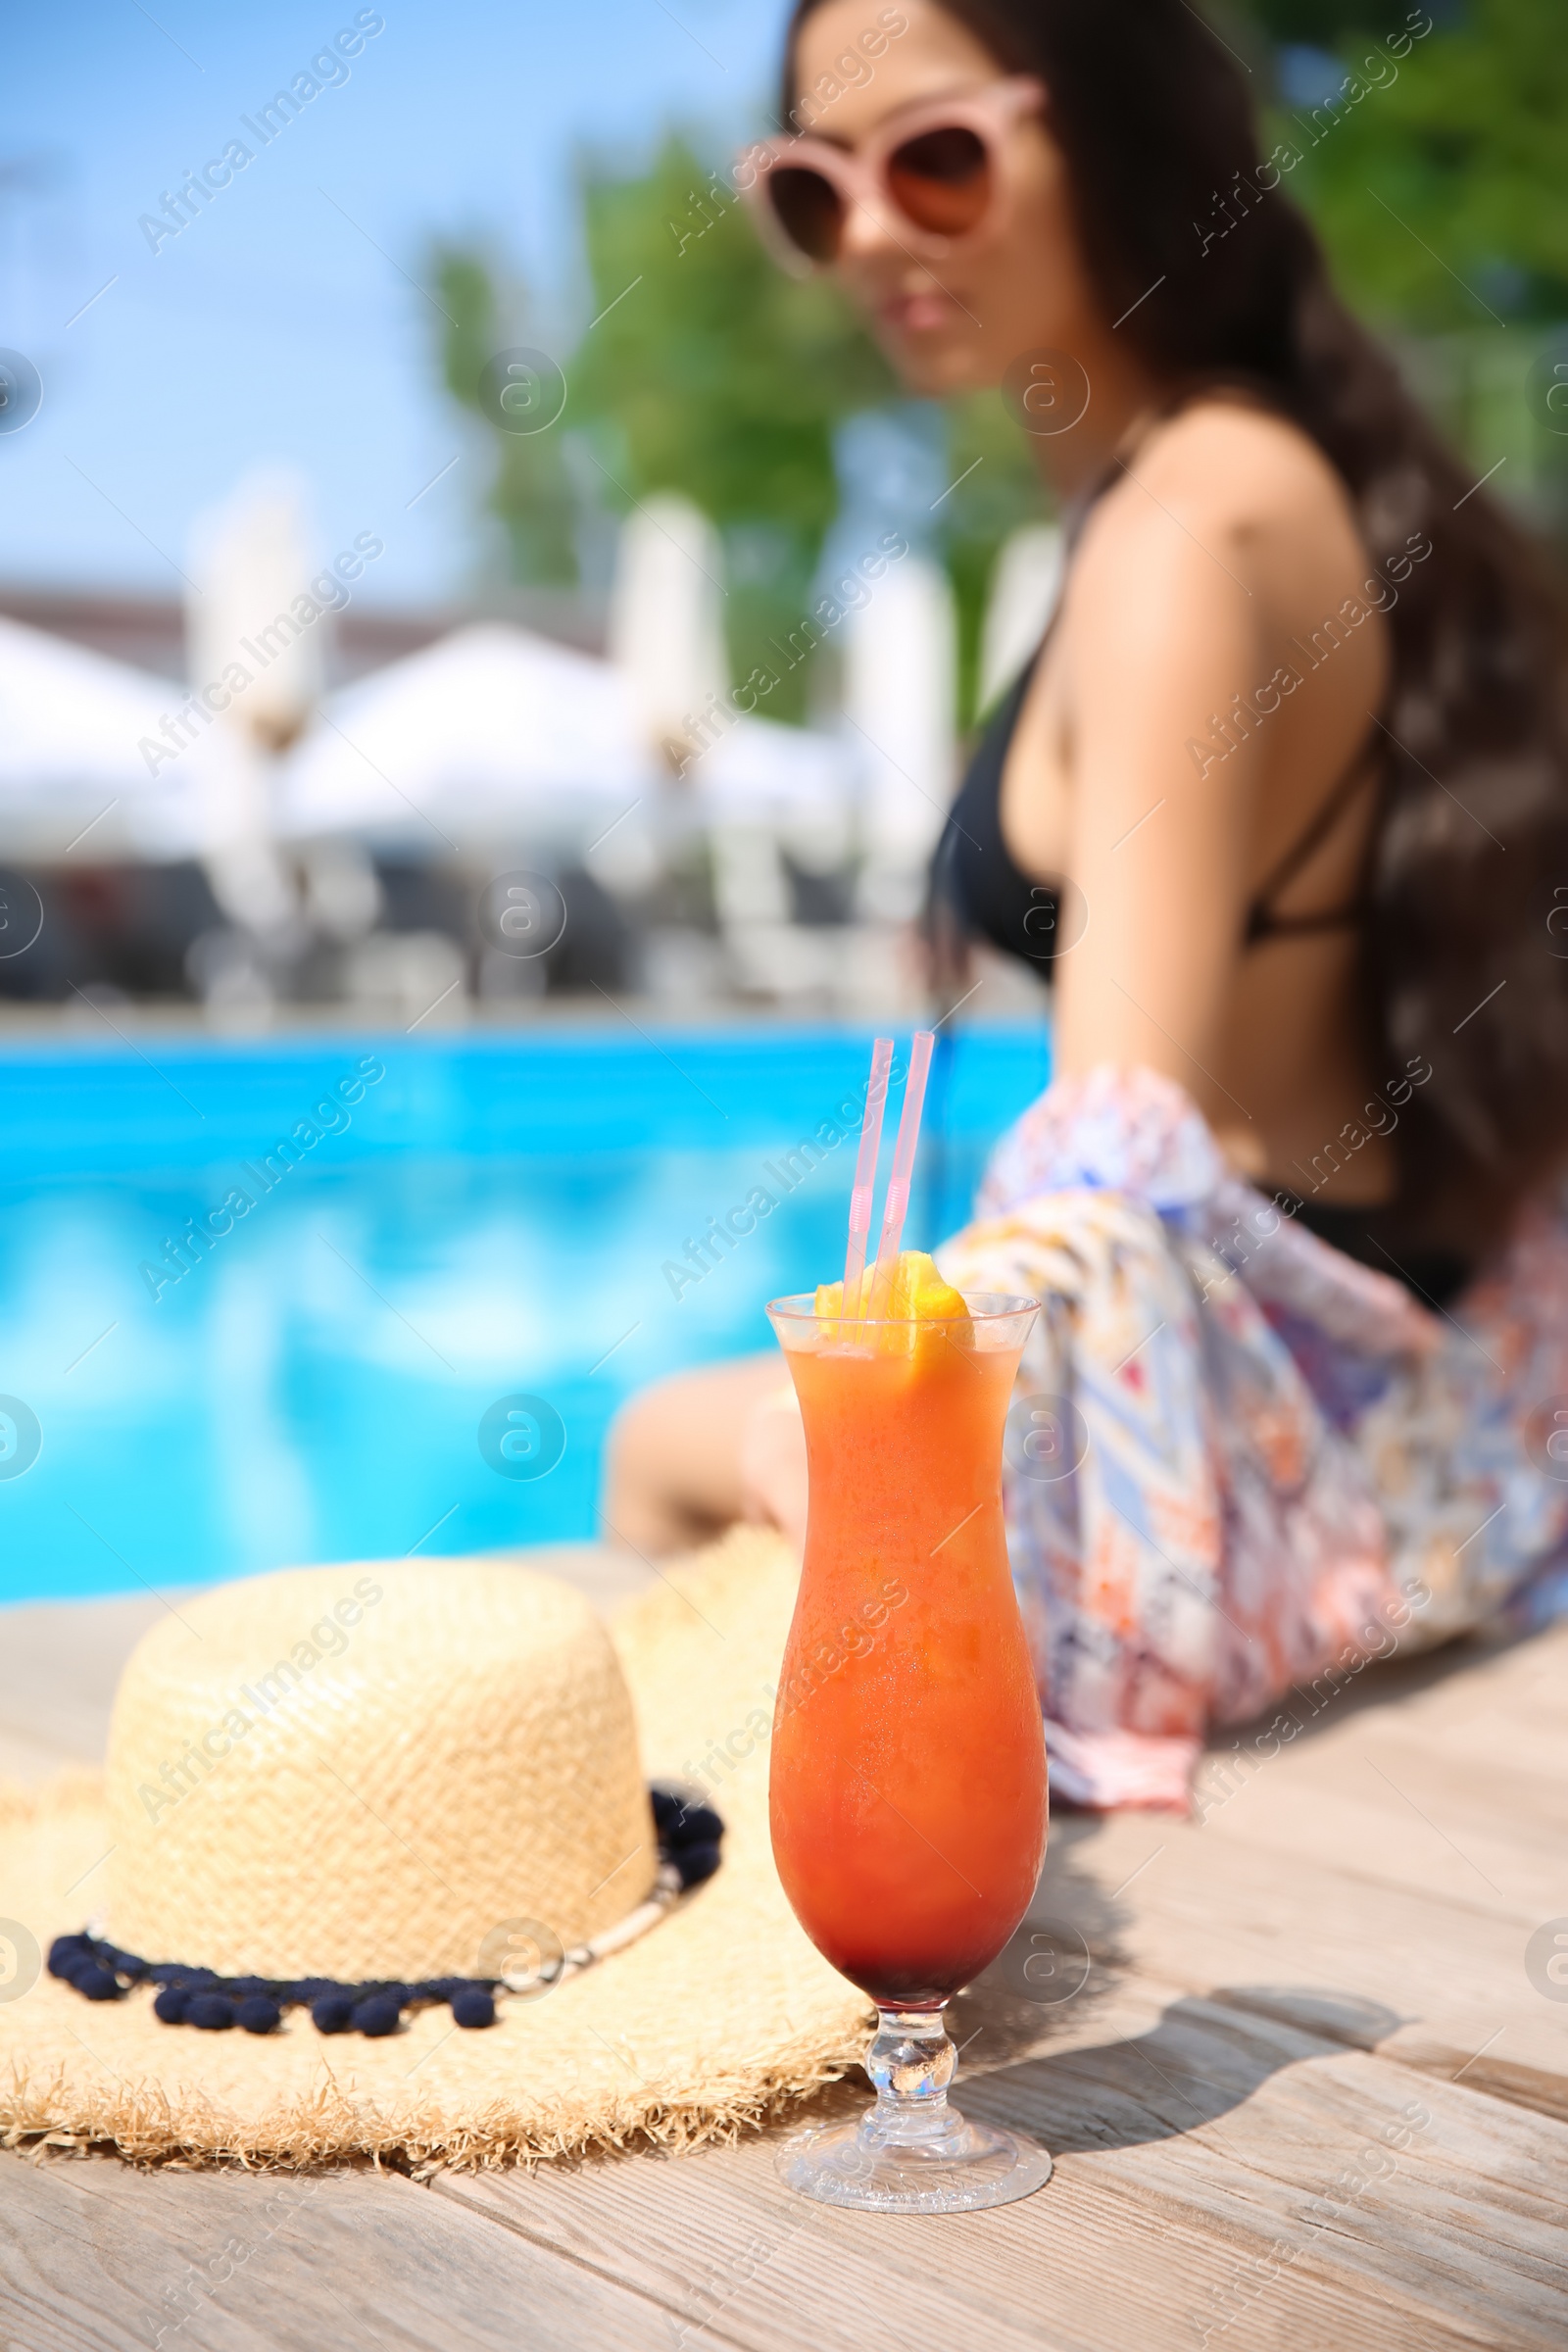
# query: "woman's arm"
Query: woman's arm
{"points": [[1162, 632]]}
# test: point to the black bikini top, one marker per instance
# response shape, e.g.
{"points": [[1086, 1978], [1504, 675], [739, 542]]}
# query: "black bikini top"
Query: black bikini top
{"points": [[976, 884]]}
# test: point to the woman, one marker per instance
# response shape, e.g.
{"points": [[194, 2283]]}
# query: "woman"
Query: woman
{"points": [[1282, 803]]}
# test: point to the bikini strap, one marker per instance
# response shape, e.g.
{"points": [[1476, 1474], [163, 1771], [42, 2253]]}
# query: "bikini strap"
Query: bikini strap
{"points": [[1263, 924], [1262, 921]]}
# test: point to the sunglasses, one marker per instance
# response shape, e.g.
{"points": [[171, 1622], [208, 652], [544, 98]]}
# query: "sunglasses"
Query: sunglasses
{"points": [[934, 174]]}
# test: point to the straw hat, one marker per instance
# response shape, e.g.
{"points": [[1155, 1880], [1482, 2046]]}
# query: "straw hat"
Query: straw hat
{"points": [[384, 1771]]}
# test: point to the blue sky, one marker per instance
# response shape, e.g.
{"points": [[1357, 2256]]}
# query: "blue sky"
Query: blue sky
{"points": [[282, 326]]}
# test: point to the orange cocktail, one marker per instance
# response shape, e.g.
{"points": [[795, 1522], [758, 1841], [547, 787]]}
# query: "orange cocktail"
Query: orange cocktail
{"points": [[909, 1760]]}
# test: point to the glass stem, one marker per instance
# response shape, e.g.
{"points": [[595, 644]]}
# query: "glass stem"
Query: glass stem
{"points": [[910, 2062]]}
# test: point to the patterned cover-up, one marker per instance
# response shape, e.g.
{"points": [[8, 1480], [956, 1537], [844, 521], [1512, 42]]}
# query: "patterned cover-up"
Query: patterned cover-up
{"points": [[1237, 1459]]}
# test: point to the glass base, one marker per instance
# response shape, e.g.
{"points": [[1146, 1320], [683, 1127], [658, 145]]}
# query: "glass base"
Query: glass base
{"points": [[911, 2152], [968, 2166]]}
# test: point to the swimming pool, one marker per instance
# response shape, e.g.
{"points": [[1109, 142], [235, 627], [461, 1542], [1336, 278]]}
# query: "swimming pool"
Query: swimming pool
{"points": [[257, 1301]]}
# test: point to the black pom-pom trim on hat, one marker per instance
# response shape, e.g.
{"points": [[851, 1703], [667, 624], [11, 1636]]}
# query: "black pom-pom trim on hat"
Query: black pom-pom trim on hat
{"points": [[696, 1863], [213, 2012], [95, 1982], [258, 2013], [689, 1836], [379, 2013]]}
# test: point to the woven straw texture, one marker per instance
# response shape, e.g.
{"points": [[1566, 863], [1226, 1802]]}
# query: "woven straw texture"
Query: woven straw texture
{"points": [[351, 1771], [718, 2016]]}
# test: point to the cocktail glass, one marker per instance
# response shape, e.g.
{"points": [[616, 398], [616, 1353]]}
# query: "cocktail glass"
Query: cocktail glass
{"points": [[907, 1778]]}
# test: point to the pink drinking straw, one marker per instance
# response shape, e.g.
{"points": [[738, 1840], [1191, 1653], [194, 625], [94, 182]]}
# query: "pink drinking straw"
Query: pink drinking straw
{"points": [[876, 1096], [898, 1200]]}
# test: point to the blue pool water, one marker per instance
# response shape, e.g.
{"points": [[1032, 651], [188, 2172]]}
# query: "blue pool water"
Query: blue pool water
{"points": [[490, 1217]]}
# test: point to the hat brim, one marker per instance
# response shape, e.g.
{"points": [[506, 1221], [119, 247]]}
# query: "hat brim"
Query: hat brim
{"points": [[716, 2018]]}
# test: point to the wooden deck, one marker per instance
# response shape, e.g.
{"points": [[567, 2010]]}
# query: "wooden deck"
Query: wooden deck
{"points": [[1308, 2095]]}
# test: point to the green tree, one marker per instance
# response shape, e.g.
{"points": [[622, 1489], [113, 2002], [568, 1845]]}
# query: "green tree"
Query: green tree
{"points": [[999, 487], [1441, 194], [1437, 184], [711, 372], [531, 493]]}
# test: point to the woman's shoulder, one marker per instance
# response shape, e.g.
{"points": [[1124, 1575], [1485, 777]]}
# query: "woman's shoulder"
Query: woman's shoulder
{"points": [[1249, 493], [1239, 451]]}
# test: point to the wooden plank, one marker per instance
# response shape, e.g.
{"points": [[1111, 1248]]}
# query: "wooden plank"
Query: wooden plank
{"points": [[1442, 1985], [1480, 1692], [1373, 1817], [1201, 2184], [1296, 1887], [59, 1663], [95, 2256], [1351, 1812], [1470, 1678], [606, 1573], [29, 1760]]}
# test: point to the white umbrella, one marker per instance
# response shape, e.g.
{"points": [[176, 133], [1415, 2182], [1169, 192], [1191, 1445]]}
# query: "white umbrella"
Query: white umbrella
{"points": [[1025, 585], [667, 629], [250, 644], [251, 560], [764, 772], [899, 684], [490, 733], [75, 765]]}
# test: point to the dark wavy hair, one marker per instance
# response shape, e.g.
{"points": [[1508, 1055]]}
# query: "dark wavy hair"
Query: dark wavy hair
{"points": [[1469, 858]]}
